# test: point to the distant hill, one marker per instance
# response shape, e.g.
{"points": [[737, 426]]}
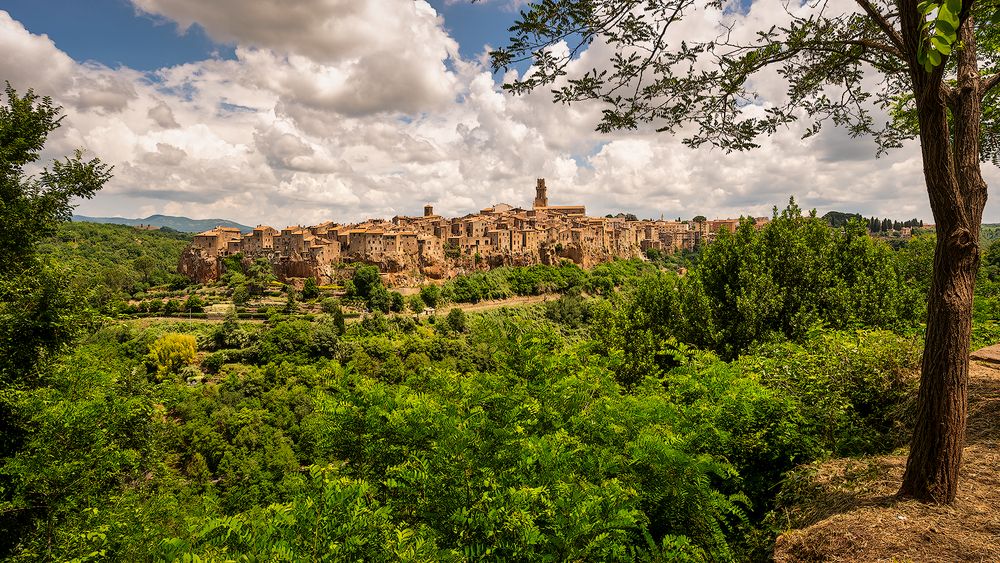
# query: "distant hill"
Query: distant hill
{"points": [[839, 218], [182, 224]]}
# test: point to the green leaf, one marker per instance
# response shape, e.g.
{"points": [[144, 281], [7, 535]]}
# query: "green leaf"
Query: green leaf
{"points": [[941, 46], [954, 6], [945, 29], [946, 15]]}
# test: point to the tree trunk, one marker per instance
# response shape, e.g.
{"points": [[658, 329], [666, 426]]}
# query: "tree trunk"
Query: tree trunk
{"points": [[957, 196], [939, 435]]}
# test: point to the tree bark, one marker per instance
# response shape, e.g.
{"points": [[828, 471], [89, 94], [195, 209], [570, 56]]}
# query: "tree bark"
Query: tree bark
{"points": [[957, 195]]}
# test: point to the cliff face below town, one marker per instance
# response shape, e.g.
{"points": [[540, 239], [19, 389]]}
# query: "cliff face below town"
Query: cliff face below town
{"points": [[202, 267]]}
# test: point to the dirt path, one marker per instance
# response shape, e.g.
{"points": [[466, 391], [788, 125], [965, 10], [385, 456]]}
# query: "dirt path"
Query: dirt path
{"points": [[867, 523]]}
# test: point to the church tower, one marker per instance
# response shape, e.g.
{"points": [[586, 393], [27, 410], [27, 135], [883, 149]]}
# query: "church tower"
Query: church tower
{"points": [[541, 198]]}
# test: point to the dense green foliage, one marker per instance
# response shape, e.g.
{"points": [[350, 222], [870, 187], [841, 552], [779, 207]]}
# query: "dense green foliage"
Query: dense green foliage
{"points": [[508, 437], [122, 261], [505, 282], [39, 316], [779, 282]]}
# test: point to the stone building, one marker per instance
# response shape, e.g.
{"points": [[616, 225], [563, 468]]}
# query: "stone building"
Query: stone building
{"points": [[439, 247]]}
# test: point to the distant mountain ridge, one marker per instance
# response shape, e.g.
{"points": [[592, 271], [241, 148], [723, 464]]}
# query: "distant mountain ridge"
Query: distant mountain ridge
{"points": [[183, 224]]}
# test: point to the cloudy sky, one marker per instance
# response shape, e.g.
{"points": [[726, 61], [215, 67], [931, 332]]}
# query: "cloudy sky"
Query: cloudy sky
{"points": [[281, 113]]}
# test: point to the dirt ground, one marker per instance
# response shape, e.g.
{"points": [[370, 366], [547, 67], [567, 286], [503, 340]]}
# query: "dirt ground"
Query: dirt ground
{"points": [[858, 518]]}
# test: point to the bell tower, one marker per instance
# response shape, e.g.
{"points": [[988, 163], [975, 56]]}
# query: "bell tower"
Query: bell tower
{"points": [[541, 198]]}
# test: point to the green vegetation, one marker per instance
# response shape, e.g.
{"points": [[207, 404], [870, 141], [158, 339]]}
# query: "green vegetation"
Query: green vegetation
{"points": [[599, 425], [506, 282], [122, 259], [641, 415], [171, 352]]}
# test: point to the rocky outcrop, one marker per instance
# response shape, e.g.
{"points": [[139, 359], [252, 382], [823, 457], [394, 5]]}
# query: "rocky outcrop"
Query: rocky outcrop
{"points": [[198, 266], [296, 266]]}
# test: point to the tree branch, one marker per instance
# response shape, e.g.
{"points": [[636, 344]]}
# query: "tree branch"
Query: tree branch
{"points": [[887, 49], [989, 82], [883, 23]]}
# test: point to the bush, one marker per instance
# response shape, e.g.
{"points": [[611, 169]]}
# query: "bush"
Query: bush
{"points": [[310, 290], [415, 303], [396, 302], [430, 294], [171, 352], [456, 320]]}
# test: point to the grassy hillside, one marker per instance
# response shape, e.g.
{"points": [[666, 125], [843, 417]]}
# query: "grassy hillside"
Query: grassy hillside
{"points": [[119, 259]]}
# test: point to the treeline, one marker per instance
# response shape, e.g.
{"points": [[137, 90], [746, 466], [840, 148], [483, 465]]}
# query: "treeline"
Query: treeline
{"points": [[783, 280], [366, 289], [567, 277], [874, 224]]}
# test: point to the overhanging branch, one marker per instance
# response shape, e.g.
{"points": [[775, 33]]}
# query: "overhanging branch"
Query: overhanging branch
{"points": [[989, 82], [883, 24]]}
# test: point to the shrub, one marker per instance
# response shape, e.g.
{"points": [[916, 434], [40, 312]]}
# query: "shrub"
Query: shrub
{"points": [[430, 294], [171, 352], [396, 302], [415, 303], [310, 290], [456, 320]]}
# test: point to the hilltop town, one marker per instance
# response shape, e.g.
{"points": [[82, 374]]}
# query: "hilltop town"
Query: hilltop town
{"points": [[439, 247]]}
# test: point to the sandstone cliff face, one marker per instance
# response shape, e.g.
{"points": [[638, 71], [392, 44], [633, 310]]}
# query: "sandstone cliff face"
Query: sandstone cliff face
{"points": [[197, 266], [297, 266]]}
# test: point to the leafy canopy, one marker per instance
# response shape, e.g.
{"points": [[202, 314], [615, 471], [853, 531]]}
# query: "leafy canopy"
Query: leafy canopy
{"points": [[828, 57]]}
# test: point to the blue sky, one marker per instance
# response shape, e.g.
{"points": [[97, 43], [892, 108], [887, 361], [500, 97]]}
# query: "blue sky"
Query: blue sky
{"points": [[113, 33], [281, 112]]}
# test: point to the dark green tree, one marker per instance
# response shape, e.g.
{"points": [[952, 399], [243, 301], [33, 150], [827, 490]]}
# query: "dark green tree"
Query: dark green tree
{"points": [[38, 314], [937, 63], [310, 290], [456, 320], [259, 276], [396, 302], [291, 300], [366, 279], [332, 307], [430, 294]]}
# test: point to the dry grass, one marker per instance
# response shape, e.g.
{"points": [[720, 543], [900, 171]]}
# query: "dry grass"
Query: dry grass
{"points": [[854, 515]]}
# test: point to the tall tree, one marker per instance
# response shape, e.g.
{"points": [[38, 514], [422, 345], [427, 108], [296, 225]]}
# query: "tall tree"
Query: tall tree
{"points": [[32, 316], [936, 64], [38, 315]]}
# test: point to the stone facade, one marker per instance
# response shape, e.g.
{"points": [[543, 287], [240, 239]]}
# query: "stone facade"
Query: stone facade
{"points": [[440, 247]]}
